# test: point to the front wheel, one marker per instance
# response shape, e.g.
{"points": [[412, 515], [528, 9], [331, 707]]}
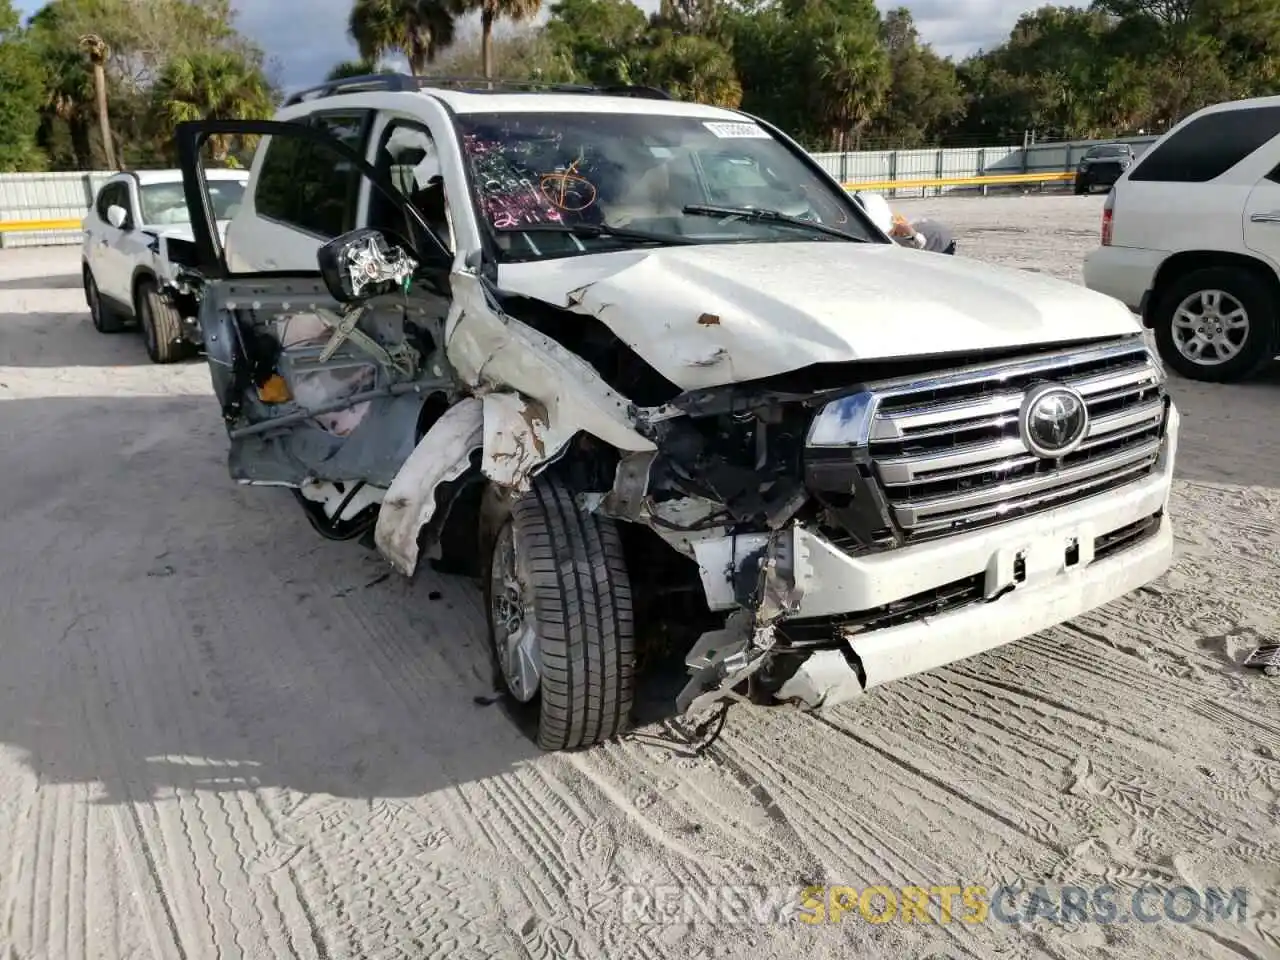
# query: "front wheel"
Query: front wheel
{"points": [[561, 625], [161, 325], [1217, 324]]}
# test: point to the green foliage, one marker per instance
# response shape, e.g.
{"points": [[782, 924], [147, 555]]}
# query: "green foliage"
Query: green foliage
{"points": [[833, 73], [22, 79], [352, 68], [691, 68], [211, 85], [168, 60], [417, 29], [599, 38]]}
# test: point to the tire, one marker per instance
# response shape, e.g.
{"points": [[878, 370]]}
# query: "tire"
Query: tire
{"points": [[161, 324], [1182, 303], [105, 320], [573, 590], [1082, 188]]}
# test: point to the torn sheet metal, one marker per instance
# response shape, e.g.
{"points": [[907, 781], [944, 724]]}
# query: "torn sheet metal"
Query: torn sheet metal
{"points": [[630, 484], [518, 440], [442, 456], [723, 659], [824, 676], [494, 352], [685, 521]]}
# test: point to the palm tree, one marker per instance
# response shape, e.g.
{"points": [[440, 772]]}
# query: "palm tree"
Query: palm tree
{"points": [[98, 51], [491, 11], [419, 29], [212, 85], [352, 68]]}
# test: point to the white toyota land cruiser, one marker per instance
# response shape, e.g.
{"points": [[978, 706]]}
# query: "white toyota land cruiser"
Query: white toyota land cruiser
{"points": [[642, 364]]}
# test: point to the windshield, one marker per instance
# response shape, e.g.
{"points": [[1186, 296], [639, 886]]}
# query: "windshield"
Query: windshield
{"points": [[164, 204], [596, 172], [1112, 150]]}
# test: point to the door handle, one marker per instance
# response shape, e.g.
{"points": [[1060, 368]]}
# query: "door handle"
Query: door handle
{"points": [[1271, 216]]}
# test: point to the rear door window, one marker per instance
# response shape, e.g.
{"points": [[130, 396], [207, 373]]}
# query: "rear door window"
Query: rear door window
{"points": [[303, 184], [1209, 146]]}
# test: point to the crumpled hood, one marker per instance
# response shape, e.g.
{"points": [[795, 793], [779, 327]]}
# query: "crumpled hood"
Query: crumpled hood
{"points": [[726, 313]]}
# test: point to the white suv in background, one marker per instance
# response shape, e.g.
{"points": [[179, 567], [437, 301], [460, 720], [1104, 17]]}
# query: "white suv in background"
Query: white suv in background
{"points": [[1191, 241], [137, 240]]}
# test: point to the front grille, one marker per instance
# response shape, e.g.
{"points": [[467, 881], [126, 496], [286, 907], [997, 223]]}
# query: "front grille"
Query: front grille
{"points": [[1105, 169], [948, 454]]}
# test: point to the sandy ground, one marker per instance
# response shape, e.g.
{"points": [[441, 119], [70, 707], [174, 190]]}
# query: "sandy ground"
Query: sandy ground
{"points": [[221, 736]]}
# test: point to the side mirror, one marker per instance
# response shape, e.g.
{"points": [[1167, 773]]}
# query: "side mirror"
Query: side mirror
{"points": [[117, 216], [362, 264]]}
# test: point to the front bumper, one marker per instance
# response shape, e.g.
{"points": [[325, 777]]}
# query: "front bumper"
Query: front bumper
{"points": [[1033, 573]]}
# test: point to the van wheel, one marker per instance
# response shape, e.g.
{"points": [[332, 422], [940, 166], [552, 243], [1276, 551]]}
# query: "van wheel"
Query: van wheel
{"points": [[105, 320], [161, 324], [1217, 324], [561, 627]]}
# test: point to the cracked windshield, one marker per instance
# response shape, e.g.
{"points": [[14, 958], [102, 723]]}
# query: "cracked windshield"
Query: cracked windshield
{"points": [[555, 184]]}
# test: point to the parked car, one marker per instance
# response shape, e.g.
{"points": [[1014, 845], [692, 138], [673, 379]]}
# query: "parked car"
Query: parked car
{"points": [[135, 253], [1191, 241], [1102, 165], [634, 361]]}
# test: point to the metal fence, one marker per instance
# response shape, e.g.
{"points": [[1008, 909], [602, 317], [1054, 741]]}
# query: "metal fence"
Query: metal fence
{"points": [[883, 167], [28, 197], [46, 196]]}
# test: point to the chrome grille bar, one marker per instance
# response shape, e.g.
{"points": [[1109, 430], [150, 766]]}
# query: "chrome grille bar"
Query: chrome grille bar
{"points": [[948, 454]]}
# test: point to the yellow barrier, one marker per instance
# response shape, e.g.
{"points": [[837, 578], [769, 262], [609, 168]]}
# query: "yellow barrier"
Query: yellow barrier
{"points": [[993, 180], [30, 226]]}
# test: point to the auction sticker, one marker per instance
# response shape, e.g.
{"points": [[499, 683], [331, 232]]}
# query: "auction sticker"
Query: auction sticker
{"points": [[737, 131]]}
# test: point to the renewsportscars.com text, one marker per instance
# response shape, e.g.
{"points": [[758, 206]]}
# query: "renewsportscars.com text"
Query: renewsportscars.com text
{"points": [[969, 904]]}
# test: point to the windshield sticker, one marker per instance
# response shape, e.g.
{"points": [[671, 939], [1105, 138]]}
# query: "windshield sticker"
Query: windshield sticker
{"points": [[737, 131]]}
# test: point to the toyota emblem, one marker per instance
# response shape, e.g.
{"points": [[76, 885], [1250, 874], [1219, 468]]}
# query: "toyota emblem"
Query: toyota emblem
{"points": [[1053, 421]]}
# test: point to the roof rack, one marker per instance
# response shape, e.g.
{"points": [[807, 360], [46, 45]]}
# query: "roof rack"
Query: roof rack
{"points": [[401, 82]]}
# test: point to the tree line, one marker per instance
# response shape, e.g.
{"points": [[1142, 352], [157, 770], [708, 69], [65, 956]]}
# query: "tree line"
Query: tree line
{"points": [[93, 84]]}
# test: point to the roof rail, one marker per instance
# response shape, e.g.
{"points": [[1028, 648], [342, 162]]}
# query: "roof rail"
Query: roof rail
{"points": [[400, 82], [370, 82]]}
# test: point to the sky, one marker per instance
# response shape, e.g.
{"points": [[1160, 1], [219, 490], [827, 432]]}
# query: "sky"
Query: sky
{"points": [[307, 37]]}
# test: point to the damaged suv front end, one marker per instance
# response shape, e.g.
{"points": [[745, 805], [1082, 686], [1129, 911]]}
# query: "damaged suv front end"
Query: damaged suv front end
{"points": [[926, 518], [658, 353]]}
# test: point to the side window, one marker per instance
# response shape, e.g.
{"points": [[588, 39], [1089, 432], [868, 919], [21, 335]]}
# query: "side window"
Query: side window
{"points": [[1210, 146], [407, 157], [305, 185], [113, 194]]}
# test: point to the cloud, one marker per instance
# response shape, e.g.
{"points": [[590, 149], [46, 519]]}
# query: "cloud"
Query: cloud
{"points": [[957, 28]]}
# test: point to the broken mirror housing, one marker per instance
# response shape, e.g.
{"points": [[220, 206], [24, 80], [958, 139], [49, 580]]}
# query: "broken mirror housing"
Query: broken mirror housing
{"points": [[364, 263]]}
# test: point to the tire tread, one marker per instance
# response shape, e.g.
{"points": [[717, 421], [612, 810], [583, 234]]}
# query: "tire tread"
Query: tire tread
{"points": [[582, 596]]}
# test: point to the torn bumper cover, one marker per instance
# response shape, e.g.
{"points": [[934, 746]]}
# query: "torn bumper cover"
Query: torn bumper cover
{"points": [[828, 625]]}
